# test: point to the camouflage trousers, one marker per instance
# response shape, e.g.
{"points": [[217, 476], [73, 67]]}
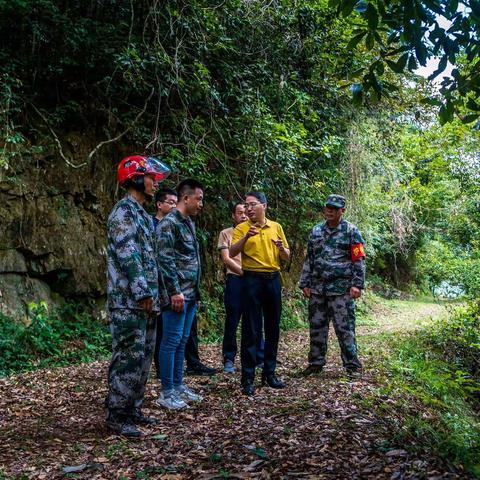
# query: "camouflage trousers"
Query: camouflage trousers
{"points": [[341, 309], [133, 343]]}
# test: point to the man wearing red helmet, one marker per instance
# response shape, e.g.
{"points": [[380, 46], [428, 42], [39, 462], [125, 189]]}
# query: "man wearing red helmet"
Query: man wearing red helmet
{"points": [[132, 293]]}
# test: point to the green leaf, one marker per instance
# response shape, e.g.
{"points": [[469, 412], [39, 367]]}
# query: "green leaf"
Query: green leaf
{"points": [[372, 16], [472, 105], [412, 63], [347, 6], [470, 117], [400, 64], [434, 5], [369, 41], [334, 3], [434, 102], [379, 67], [420, 51], [446, 113], [475, 6], [442, 65], [356, 73], [354, 41]]}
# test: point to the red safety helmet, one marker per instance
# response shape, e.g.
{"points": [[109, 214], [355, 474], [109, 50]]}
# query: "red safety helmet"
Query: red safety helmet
{"points": [[139, 165]]}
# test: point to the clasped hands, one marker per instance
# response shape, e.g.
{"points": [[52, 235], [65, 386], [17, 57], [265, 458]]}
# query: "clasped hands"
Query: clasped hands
{"points": [[355, 292]]}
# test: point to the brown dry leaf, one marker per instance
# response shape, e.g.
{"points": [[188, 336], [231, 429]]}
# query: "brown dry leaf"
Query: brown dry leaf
{"points": [[316, 428]]}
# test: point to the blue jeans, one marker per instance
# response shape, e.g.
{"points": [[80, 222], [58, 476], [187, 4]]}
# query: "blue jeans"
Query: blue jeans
{"points": [[261, 295], [233, 300], [176, 330]]}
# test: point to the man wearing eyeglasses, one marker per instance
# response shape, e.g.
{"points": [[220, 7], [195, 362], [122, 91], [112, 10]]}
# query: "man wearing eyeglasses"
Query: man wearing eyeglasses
{"points": [[263, 246], [165, 201]]}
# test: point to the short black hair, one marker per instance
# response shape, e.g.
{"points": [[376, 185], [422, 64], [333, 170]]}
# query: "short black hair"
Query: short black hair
{"points": [[234, 206], [161, 194], [188, 186], [260, 196]]}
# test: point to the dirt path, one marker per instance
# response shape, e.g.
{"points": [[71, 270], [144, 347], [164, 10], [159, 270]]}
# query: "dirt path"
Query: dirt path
{"points": [[396, 316], [318, 428]]}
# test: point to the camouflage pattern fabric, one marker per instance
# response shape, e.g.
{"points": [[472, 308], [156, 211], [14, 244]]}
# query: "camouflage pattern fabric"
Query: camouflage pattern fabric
{"points": [[132, 273], [341, 309], [178, 257], [133, 343], [328, 268]]}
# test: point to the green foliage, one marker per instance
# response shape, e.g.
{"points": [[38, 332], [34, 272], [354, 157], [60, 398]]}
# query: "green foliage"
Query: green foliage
{"points": [[439, 366], [457, 340], [294, 311], [405, 34], [59, 337]]}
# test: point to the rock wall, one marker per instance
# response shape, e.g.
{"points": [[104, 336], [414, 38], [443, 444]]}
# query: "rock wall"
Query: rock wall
{"points": [[52, 227]]}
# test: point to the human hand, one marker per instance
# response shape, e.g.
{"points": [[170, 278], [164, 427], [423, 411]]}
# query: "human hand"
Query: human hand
{"points": [[177, 302], [279, 244], [355, 292], [146, 304], [251, 232], [307, 292]]}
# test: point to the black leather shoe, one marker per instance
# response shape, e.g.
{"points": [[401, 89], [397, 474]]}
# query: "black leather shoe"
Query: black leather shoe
{"points": [[312, 370], [140, 419], [272, 381], [248, 389], [201, 370]]}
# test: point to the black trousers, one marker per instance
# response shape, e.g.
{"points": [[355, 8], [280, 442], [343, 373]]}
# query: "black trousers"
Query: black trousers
{"points": [[233, 301], [262, 293], [191, 348]]}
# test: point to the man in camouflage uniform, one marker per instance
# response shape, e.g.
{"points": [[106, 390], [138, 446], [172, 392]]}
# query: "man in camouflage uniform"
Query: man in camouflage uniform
{"points": [[179, 267], [333, 276], [132, 293]]}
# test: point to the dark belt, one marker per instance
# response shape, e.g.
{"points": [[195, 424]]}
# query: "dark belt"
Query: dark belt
{"points": [[265, 275]]}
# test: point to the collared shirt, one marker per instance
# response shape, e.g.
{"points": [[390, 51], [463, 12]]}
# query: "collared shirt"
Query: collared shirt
{"points": [[260, 254], [178, 257], [224, 242], [131, 260], [328, 268]]}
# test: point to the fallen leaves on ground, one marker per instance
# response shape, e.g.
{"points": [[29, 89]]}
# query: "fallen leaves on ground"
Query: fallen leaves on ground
{"points": [[52, 425]]}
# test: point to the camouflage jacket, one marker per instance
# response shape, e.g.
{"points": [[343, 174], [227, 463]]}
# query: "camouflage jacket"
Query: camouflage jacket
{"points": [[328, 268], [178, 257], [132, 273]]}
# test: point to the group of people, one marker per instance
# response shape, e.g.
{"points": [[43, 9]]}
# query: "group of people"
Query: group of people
{"points": [[154, 274]]}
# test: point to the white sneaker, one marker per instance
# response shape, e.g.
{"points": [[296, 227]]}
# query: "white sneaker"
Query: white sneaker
{"points": [[187, 394], [170, 400]]}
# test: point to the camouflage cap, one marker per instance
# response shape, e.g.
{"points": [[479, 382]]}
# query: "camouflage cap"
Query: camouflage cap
{"points": [[335, 201]]}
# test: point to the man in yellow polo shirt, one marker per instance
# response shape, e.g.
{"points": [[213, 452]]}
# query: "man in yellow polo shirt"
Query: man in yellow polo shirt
{"points": [[263, 245]]}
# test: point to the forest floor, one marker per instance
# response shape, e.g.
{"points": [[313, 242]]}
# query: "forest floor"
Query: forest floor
{"points": [[327, 426]]}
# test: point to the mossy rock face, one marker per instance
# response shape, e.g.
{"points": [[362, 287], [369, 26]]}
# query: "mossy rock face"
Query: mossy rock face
{"points": [[53, 227], [17, 291]]}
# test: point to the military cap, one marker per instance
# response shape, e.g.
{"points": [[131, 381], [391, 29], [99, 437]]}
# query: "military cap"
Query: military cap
{"points": [[335, 201]]}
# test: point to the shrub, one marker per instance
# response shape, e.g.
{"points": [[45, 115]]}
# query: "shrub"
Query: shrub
{"points": [[54, 337]]}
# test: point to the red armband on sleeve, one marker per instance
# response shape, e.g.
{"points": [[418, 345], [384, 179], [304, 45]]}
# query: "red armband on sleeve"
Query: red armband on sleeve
{"points": [[357, 251]]}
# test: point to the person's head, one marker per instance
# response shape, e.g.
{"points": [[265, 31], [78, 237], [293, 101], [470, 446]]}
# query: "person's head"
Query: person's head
{"points": [[255, 206], [334, 209], [190, 197], [165, 201], [238, 213], [141, 174]]}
